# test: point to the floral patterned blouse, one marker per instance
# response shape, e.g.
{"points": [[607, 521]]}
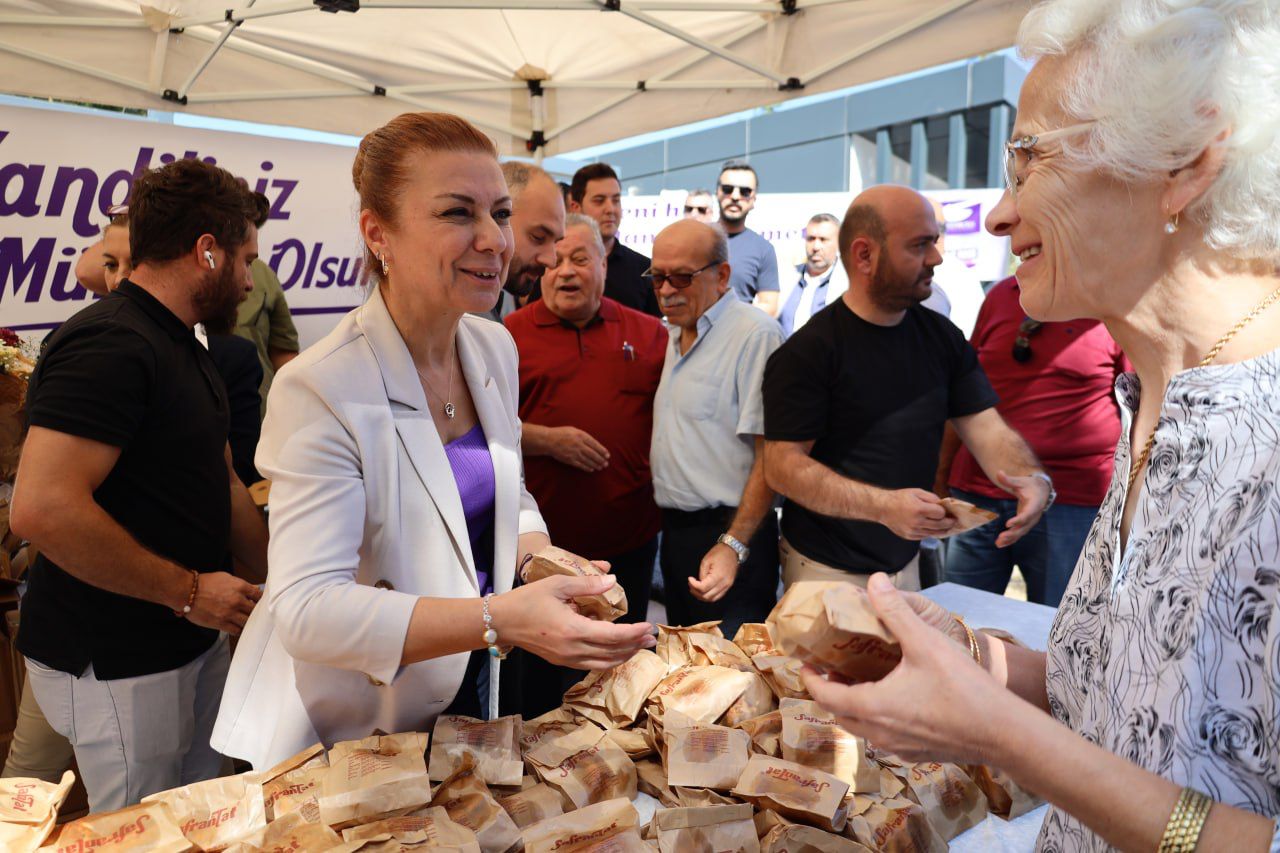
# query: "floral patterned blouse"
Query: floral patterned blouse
{"points": [[1168, 653]]}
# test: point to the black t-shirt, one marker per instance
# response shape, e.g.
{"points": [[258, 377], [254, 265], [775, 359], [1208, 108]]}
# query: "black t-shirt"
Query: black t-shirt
{"points": [[874, 400], [622, 281], [127, 372]]}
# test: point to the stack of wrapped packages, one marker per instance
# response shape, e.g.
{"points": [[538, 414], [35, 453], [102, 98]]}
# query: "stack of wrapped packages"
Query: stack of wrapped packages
{"points": [[720, 732]]}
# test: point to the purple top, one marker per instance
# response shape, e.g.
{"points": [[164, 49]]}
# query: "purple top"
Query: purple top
{"points": [[473, 471]]}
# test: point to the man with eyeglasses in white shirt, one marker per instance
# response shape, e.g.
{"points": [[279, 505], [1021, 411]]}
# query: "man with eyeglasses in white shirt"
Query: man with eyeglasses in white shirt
{"points": [[719, 552]]}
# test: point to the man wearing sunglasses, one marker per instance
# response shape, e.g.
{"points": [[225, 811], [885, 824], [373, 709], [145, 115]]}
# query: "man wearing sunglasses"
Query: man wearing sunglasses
{"points": [[856, 403], [755, 265], [719, 550], [700, 206]]}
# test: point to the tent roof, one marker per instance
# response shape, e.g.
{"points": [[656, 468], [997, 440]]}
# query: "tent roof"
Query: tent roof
{"points": [[569, 73]]}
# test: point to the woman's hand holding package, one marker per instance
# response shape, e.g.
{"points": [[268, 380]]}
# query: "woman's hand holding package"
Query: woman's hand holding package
{"points": [[937, 704], [540, 617]]}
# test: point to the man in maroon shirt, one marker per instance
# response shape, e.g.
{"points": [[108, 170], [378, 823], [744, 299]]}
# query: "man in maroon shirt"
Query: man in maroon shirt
{"points": [[1056, 383]]}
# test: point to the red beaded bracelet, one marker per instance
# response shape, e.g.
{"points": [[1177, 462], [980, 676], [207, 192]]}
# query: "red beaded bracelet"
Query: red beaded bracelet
{"points": [[191, 599]]}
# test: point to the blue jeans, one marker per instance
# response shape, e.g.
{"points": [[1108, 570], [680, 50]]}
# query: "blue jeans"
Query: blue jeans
{"points": [[1047, 554]]}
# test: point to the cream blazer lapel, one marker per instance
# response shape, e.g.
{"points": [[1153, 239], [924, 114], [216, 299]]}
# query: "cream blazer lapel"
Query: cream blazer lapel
{"points": [[413, 423], [499, 430]]}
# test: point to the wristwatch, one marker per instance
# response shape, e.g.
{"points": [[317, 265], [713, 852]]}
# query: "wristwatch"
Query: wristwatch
{"points": [[738, 548], [1053, 493]]}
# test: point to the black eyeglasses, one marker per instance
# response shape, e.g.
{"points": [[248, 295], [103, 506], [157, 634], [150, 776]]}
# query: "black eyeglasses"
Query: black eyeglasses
{"points": [[679, 280], [698, 208], [743, 192], [1027, 330]]}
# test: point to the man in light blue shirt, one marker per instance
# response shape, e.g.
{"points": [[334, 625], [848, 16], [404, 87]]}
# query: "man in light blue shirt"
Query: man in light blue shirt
{"points": [[719, 551]]}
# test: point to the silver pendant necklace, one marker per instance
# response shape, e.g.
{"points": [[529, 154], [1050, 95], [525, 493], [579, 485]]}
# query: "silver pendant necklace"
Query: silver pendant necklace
{"points": [[449, 410]]}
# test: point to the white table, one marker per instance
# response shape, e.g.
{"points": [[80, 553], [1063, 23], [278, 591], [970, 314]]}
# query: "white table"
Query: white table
{"points": [[1030, 623]]}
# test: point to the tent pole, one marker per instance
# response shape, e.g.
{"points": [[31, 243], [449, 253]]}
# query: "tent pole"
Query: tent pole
{"points": [[158, 56], [537, 142], [230, 28], [689, 38], [80, 68], [880, 41]]}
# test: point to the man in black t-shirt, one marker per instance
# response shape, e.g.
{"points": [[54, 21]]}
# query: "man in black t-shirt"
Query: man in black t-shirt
{"points": [[127, 488], [855, 404], [596, 192]]}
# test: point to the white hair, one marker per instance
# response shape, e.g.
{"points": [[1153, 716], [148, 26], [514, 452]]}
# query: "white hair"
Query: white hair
{"points": [[584, 221], [1163, 78]]}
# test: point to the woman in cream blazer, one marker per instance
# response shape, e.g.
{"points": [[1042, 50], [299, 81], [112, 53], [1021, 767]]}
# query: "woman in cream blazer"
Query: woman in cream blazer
{"points": [[373, 601]]}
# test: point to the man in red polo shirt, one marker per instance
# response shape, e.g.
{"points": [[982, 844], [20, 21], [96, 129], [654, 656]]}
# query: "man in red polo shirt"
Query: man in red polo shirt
{"points": [[1056, 383]]}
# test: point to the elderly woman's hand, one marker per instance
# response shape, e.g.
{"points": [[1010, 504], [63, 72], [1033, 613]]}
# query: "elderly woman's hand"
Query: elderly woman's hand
{"points": [[540, 617], [937, 704]]}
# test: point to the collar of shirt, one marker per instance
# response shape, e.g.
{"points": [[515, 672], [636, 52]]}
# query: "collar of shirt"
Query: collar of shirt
{"points": [[607, 313], [155, 309], [705, 323]]}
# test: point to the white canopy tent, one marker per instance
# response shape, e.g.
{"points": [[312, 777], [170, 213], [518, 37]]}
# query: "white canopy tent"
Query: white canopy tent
{"points": [[541, 76]]}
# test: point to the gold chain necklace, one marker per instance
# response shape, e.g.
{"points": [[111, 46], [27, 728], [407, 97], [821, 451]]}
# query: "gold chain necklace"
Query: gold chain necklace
{"points": [[1140, 462], [449, 410]]}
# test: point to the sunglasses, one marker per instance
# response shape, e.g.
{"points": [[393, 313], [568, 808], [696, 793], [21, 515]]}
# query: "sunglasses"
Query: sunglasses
{"points": [[743, 192], [1027, 330], [700, 209], [679, 280]]}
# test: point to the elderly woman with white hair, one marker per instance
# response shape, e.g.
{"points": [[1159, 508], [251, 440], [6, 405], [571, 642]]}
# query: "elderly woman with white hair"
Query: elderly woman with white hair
{"points": [[1144, 190]]}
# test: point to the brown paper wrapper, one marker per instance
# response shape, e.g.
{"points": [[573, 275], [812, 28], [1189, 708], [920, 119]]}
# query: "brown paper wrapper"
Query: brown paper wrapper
{"points": [[703, 693], [611, 826], [766, 733], [431, 827], [800, 793], [967, 516], [714, 650], [1005, 797], [466, 799], [782, 674], [550, 725], [673, 645], [586, 767], [754, 638], [705, 756], [614, 698], [812, 737], [798, 838], [287, 833], [144, 828], [756, 700], [651, 779], [532, 805], [295, 791], [494, 744], [214, 813], [832, 626], [951, 800], [727, 829], [551, 562], [634, 742], [697, 798], [29, 809], [312, 756], [767, 819], [373, 778], [895, 826]]}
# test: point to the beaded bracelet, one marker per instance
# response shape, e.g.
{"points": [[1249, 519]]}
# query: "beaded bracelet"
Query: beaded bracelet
{"points": [[1182, 832], [490, 635], [191, 599], [974, 649]]}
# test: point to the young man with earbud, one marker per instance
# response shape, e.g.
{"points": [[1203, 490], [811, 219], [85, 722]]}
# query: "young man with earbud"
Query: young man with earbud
{"points": [[127, 489]]}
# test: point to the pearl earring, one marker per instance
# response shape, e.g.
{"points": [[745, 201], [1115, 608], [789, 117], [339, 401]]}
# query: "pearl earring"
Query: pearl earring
{"points": [[1171, 227], [386, 267]]}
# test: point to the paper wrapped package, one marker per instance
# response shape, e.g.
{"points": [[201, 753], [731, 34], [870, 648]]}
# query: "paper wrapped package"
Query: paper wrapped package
{"points": [[287, 833], [614, 698], [611, 825], [294, 784], [634, 742], [754, 639], [431, 827], [551, 561], [967, 516], [29, 809], [800, 793], [833, 627], [713, 828], [673, 647], [951, 800], [144, 828], [798, 838], [467, 801], [782, 675], [812, 737], [494, 744], [697, 798], [1005, 797], [651, 779], [703, 693], [531, 805], [373, 778], [700, 755], [895, 825], [585, 766], [214, 813], [756, 700], [765, 732], [550, 725], [714, 650]]}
